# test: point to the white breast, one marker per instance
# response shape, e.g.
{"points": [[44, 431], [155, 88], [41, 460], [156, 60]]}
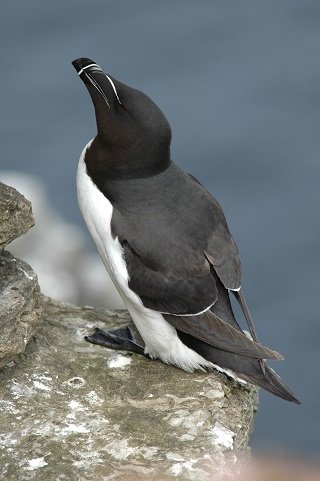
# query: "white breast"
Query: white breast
{"points": [[97, 213], [161, 339]]}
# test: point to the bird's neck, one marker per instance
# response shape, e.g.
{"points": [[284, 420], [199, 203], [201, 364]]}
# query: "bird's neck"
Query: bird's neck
{"points": [[102, 162]]}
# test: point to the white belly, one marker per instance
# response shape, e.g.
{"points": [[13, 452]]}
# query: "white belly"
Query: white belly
{"points": [[161, 339]]}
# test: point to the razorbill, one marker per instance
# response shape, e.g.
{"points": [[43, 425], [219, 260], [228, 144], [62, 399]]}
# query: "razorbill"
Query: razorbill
{"points": [[164, 241]]}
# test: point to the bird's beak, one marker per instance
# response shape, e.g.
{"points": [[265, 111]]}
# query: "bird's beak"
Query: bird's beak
{"points": [[96, 80]]}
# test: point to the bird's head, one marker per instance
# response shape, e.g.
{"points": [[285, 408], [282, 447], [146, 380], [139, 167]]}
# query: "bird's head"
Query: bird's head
{"points": [[133, 135]]}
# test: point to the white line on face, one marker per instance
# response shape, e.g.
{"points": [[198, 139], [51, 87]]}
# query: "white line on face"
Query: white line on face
{"points": [[97, 86], [87, 66], [111, 82], [114, 88]]}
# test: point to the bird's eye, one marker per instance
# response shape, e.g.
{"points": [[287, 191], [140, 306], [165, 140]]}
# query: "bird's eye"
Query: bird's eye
{"points": [[122, 108]]}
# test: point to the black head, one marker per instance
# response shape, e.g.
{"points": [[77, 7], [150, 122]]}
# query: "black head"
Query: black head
{"points": [[133, 136]]}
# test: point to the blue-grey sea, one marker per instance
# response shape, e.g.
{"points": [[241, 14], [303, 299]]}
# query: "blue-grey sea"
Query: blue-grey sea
{"points": [[240, 83]]}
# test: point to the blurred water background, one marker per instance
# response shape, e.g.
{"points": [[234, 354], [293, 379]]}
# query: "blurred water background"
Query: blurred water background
{"points": [[240, 83]]}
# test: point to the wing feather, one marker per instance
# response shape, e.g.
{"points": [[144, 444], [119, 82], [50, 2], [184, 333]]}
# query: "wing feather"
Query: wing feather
{"points": [[167, 290], [214, 331]]}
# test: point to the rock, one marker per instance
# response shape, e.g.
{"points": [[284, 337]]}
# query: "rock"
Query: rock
{"points": [[20, 301], [20, 306], [15, 215], [59, 252], [73, 410]]}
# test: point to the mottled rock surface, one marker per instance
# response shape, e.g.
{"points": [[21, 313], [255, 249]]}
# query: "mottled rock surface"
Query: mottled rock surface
{"points": [[75, 411], [20, 306], [15, 215], [20, 299]]}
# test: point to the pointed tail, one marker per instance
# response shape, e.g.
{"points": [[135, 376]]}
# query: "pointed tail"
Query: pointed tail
{"points": [[245, 367], [272, 382]]}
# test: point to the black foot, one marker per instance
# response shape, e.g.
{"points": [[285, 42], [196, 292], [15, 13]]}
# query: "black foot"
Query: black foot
{"points": [[121, 339]]}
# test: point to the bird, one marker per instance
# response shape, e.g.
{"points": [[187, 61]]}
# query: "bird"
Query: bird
{"points": [[164, 241]]}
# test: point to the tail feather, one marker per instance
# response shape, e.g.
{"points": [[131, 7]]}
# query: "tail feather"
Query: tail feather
{"points": [[272, 382], [252, 370], [244, 367]]}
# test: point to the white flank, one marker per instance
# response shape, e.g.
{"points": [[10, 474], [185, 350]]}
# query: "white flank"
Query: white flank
{"points": [[161, 339]]}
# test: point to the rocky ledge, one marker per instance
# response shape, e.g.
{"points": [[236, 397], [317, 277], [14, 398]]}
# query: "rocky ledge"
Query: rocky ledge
{"points": [[80, 411]]}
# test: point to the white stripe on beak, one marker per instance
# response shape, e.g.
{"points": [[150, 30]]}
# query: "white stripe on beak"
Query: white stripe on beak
{"points": [[87, 66]]}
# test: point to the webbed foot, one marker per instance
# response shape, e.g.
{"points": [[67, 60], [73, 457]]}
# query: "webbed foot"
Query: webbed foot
{"points": [[121, 339]]}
